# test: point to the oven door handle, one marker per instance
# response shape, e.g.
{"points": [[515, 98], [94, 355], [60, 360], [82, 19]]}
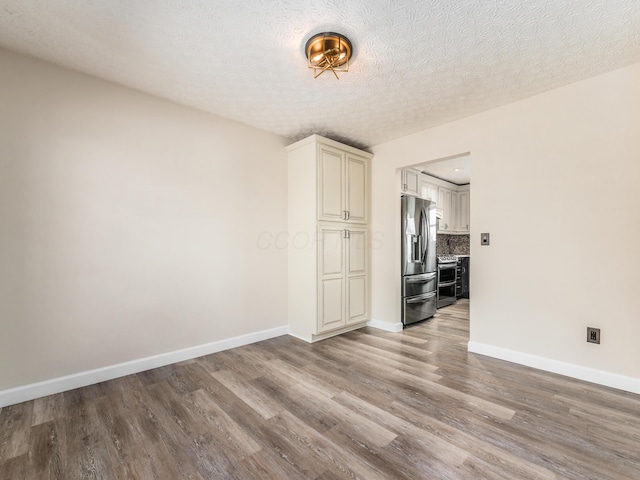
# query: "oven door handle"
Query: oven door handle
{"points": [[447, 284], [446, 266], [423, 298]]}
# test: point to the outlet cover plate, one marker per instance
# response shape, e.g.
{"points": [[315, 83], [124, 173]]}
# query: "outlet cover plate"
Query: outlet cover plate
{"points": [[593, 335], [484, 239]]}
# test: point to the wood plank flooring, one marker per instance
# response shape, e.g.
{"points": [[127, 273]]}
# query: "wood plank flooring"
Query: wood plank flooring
{"points": [[368, 404]]}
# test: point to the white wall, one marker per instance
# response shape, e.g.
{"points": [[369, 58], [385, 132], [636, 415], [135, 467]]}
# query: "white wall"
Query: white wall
{"points": [[129, 225], [556, 181]]}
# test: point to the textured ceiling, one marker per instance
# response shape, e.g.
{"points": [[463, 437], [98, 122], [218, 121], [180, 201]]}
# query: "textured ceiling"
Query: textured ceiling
{"points": [[416, 63]]}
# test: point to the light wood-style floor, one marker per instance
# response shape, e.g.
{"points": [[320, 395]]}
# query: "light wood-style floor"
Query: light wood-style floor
{"points": [[368, 404]]}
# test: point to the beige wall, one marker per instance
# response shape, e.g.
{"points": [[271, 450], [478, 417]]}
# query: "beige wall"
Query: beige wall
{"points": [[556, 181], [129, 226]]}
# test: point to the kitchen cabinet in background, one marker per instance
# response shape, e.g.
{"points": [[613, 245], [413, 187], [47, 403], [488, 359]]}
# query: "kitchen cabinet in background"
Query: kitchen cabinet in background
{"points": [[445, 202], [428, 190], [410, 183], [453, 200], [463, 210], [455, 205]]}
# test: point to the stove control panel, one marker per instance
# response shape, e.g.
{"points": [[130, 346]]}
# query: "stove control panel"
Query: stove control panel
{"points": [[447, 258]]}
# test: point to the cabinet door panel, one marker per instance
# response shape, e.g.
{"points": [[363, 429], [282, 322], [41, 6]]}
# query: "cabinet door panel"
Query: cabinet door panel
{"points": [[357, 279], [331, 277], [357, 295], [453, 214], [444, 202], [410, 181], [332, 313], [428, 191], [332, 249], [356, 189], [331, 204], [357, 252], [463, 212]]}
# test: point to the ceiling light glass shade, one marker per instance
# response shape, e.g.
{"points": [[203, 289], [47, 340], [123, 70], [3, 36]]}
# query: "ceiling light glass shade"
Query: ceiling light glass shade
{"points": [[328, 51]]}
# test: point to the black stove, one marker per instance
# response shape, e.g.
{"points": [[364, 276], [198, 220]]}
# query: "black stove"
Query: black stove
{"points": [[447, 279]]}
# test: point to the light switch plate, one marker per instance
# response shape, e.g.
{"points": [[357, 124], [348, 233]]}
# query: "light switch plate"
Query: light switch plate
{"points": [[484, 239]]}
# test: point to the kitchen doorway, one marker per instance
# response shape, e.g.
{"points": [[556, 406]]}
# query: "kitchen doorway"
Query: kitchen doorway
{"points": [[447, 182]]}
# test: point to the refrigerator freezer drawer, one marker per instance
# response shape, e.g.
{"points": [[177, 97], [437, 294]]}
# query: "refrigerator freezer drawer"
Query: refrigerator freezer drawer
{"points": [[419, 284], [419, 307]]}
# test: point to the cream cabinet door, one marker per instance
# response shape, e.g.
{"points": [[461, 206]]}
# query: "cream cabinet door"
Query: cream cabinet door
{"points": [[356, 194], [357, 293], [444, 202], [428, 191], [343, 277], [410, 181], [463, 211], [453, 213], [331, 201], [331, 271]]}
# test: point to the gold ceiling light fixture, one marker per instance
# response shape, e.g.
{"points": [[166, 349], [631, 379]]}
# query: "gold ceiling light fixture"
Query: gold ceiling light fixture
{"points": [[328, 51]]}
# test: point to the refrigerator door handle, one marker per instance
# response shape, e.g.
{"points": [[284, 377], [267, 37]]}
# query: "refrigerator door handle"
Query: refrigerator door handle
{"points": [[424, 232], [430, 248]]}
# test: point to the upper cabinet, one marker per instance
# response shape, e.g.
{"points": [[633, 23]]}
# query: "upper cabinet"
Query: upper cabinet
{"points": [[410, 183], [463, 210], [455, 210], [445, 202], [342, 186], [428, 191], [451, 199]]}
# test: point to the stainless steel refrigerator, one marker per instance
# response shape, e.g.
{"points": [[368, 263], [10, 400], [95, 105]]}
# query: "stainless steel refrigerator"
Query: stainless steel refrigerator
{"points": [[419, 270]]}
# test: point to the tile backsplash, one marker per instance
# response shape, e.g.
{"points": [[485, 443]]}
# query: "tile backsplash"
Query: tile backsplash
{"points": [[452, 244]]}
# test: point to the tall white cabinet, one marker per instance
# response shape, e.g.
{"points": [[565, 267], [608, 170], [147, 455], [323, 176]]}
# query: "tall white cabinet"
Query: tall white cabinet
{"points": [[328, 250]]}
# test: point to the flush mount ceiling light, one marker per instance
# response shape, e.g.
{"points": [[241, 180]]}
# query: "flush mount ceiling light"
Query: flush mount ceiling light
{"points": [[328, 51]]}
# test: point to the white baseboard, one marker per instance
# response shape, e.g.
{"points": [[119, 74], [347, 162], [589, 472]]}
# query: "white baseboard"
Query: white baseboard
{"points": [[613, 380], [389, 327], [304, 338], [82, 379], [312, 338]]}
